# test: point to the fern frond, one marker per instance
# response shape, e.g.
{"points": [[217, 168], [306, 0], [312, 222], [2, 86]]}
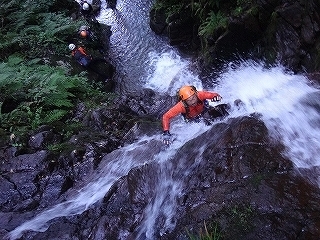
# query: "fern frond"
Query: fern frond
{"points": [[54, 115], [58, 100], [14, 60]]}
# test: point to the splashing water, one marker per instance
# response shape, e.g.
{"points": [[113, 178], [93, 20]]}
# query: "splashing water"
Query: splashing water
{"points": [[167, 190], [117, 164], [289, 105], [281, 100], [169, 73]]}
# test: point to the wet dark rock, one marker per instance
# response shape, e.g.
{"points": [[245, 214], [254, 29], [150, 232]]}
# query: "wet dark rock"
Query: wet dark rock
{"points": [[181, 27], [242, 183], [146, 103], [100, 71], [314, 78], [158, 22], [44, 139], [111, 4], [286, 33], [19, 174]]}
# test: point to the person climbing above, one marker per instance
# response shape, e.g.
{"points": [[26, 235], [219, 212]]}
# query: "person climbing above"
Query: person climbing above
{"points": [[193, 105], [85, 33], [80, 55], [89, 39], [86, 8], [90, 11]]}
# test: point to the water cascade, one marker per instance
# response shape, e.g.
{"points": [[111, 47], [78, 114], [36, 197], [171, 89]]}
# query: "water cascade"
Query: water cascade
{"points": [[287, 103]]}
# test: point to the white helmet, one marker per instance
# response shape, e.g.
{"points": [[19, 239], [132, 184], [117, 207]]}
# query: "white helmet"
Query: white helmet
{"points": [[85, 6], [72, 46]]}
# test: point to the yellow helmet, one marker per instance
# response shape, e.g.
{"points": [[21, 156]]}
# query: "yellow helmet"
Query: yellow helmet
{"points": [[186, 92]]}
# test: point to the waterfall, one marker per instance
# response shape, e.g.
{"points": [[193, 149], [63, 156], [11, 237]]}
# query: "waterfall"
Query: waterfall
{"points": [[289, 106], [287, 103]]}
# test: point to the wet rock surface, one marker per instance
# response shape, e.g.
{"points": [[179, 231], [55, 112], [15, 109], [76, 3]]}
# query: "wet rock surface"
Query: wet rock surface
{"points": [[285, 32], [241, 183]]}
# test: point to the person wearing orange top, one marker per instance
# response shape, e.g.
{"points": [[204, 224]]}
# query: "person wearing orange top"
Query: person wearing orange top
{"points": [[192, 105], [80, 55]]}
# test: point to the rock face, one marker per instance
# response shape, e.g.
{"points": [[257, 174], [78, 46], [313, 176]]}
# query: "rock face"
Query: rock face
{"points": [[230, 177], [287, 32]]}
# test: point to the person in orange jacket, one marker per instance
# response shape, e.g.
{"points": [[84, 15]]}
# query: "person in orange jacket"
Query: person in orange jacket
{"points": [[80, 55], [192, 105]]}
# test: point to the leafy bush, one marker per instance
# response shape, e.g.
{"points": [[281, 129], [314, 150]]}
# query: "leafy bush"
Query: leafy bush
{"points": [[32, 30], [46, 94], [213, 21]]}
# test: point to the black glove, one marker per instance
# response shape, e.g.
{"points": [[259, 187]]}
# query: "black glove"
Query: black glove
{"points": [[166, 137], [216, 98]]}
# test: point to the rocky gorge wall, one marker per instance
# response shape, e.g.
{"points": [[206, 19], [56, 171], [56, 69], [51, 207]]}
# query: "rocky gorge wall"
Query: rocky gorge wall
{"points": [[242, 183], [277, 31]]}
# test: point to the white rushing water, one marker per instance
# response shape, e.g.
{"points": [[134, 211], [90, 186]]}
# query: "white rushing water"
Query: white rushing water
{"points": [[284, 101], [278, 96], [118, 164], [288, 104]]}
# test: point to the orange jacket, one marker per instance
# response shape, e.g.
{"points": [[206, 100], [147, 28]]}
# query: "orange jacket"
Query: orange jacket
{"points": [[79, 49], [179, 108]]}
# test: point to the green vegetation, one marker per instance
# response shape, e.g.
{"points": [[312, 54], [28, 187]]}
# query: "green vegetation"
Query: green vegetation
{"points": [[45, 94], [213, 22], [28, 27], [35, 34], [238, 217], [241, 217], [211, 232], [256, 179], [211, 16]]}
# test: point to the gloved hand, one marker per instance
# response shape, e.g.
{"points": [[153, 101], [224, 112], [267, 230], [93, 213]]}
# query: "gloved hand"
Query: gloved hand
{"points": [[216, 98], [166, 137]]}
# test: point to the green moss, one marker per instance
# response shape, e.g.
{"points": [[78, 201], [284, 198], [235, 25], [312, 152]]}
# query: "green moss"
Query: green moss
{"points": [[211, 16], [270, 34]]}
